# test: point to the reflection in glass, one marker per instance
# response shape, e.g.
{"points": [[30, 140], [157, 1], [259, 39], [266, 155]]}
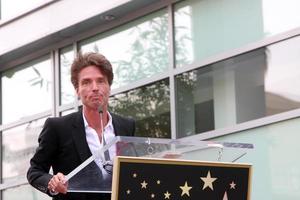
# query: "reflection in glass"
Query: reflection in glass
{"points": [[277, 170], [26, 90], [18, 146], [250, 86], [205, 28], [282, 83], [67, 92], [141, 51], [149, 106], [24, 192]]}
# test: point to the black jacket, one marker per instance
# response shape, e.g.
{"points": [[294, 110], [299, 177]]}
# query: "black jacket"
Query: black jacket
{"points": [[63, 145]]}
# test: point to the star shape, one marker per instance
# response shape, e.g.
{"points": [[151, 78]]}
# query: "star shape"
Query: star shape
{"points": [[144, 184], [152, 196], [134, 175], [232, 185], [185, 189], [128, 191], [158, 182], [167, 195], [208, 180]]}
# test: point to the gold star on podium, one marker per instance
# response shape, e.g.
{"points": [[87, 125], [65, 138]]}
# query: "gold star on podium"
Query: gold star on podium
{"points": [[208, 180], [144, 184], [185, 189], [232, 185], [167, 195]]}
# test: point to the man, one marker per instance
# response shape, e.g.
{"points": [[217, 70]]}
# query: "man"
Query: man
{"points": [[66, 142]]}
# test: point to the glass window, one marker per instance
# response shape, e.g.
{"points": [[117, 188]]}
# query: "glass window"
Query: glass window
{"points": [[26, 90], [149, 106], [18, 146], [67, 92], [24, 192], [205, 28], [136, 50], [246, 87], [282, 83], [277, 170]]}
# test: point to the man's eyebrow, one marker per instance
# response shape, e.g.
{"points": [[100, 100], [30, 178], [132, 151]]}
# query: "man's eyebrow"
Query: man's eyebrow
{"points": [[85, 79]]}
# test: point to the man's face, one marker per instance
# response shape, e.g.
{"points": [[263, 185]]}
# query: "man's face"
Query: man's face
{"points": [[93, 87]]}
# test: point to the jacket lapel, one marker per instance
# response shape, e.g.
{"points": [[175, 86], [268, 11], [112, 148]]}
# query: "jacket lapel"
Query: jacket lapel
{"points": [[121, 126], [79, 137], [116, 124]]}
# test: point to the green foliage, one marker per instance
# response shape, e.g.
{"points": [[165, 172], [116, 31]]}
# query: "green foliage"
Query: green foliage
{"points": [[149, 106]]}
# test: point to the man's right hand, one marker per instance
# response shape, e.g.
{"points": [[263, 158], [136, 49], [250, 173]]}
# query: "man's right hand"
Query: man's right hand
{"points": [[58, 184]]}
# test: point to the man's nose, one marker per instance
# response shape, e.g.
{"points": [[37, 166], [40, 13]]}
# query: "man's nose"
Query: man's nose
{"points": [[95, 86]]}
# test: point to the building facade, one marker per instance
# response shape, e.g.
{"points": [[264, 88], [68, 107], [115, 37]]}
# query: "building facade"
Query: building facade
{"points": [[220, 70]]}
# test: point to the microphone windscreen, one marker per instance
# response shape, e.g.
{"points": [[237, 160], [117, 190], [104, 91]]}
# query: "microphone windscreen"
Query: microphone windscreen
{"points": [[100, 110]]}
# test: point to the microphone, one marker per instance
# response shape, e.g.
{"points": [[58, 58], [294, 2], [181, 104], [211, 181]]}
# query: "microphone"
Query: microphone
{"points": [[100, 109]]}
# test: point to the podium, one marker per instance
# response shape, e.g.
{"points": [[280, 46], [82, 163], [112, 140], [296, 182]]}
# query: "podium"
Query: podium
{"points": [[153, 157]]}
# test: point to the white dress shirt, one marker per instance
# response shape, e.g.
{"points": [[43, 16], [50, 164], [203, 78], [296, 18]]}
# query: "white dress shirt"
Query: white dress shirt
{"points": [[94, 142]]}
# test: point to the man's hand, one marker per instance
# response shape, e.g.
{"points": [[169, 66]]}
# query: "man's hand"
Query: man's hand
{"points": [[58, 184]]}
